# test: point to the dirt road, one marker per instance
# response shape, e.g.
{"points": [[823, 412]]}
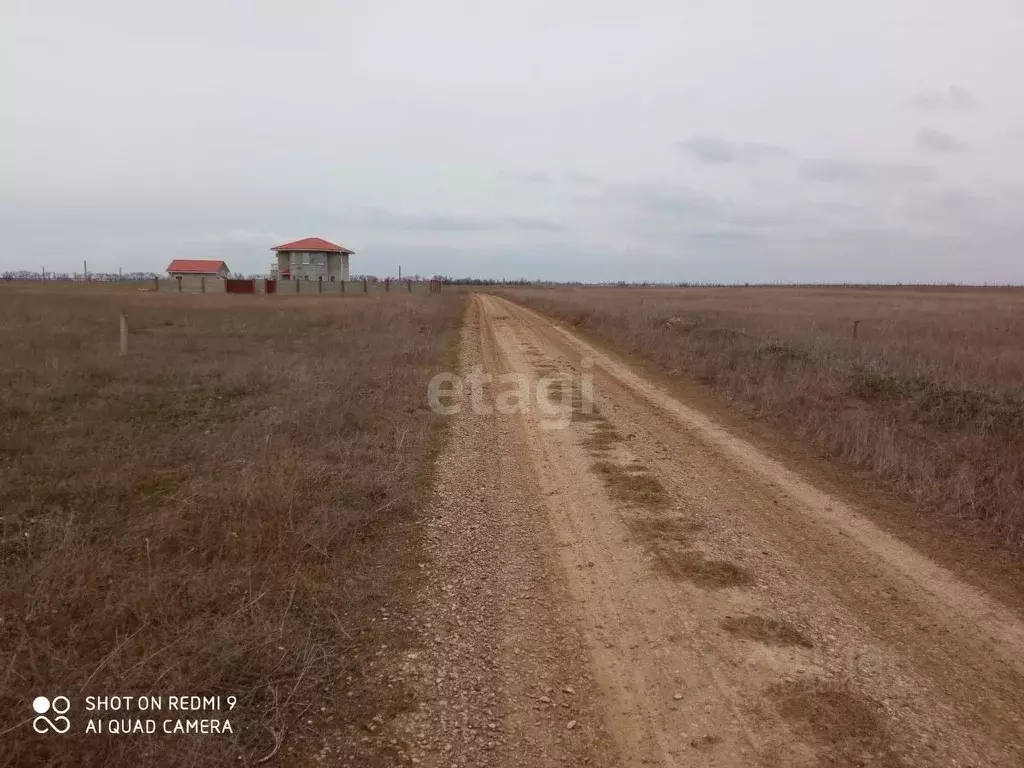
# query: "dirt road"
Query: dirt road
{"points": [[642, 587]]}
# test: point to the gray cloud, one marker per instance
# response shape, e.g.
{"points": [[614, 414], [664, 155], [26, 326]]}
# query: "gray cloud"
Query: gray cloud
{"points": [[934, 140], [528, 224], [529, 177], [714, 150], [955, 98], [832, 171], [244, 237], [658, 208], [582, 179], [710, 150], [381, 219], [965, 209]]}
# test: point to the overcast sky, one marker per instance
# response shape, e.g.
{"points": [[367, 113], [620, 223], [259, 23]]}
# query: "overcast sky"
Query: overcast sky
{"points": [[794, 140]]}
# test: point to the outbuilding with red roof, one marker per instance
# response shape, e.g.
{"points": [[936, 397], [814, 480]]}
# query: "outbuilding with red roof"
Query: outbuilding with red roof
{"points": [[312, 258], [198, 268]]}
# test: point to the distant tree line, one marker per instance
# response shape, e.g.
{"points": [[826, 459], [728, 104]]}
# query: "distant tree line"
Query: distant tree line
{"points": [[446, 280], [97, 277], [705, 284]]}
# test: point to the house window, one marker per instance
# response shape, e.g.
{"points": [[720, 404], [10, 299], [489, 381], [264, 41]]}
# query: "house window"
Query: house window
{"points": [[305, 259]]}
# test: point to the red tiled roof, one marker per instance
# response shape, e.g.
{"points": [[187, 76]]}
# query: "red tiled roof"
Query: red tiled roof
{"points": [[197, 266], [313, 244]]}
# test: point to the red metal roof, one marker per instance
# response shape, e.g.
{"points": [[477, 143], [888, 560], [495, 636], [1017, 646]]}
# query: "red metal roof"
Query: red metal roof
{"points": [[197, 266], [316, 244]]}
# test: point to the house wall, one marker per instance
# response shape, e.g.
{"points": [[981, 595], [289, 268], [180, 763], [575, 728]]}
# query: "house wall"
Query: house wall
{"points": [[325, 265], [194, 284]]}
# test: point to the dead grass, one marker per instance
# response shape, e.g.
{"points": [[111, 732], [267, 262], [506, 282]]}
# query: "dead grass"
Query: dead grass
{"points": [[652, 530], [602, 437], [633, 486], [692, 565], [669, 542], [928, 399], [584, 410], [223, 511]]}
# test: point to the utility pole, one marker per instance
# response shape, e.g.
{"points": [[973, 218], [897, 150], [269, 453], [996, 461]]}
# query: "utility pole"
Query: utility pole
{"points": [[85, 270], [399, 271]]}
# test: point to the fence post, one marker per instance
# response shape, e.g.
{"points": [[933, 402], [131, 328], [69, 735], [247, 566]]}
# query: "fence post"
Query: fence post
{"points": [[202, 284], [124, 334], [408, 284], [387, 285], [156, 283], [366, 288], [298, 285], [319, 283], [179, 283], [855, 324], [342, 287]]}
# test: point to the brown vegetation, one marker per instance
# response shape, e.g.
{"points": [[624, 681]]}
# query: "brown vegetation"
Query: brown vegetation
{"points": [[224, 510], [632, 486], [848, 728], [765, 630], [928, 398]]}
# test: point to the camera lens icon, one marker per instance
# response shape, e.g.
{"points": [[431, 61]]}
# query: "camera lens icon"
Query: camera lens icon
{"points": [[59, 706]]}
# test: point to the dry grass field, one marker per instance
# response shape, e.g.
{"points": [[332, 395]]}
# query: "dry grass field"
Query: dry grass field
{"points": [[928, 399], [225, 510]]}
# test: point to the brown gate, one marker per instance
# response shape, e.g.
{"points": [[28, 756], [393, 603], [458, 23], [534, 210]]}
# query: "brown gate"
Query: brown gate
{"points": [[240, 286], [271, 286]]}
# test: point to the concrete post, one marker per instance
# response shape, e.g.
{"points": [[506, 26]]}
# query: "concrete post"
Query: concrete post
{"points": [[319, 283]]}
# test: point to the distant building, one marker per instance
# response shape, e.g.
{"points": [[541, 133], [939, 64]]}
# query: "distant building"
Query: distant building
{"points": [[198, 268], [311, 259]]}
